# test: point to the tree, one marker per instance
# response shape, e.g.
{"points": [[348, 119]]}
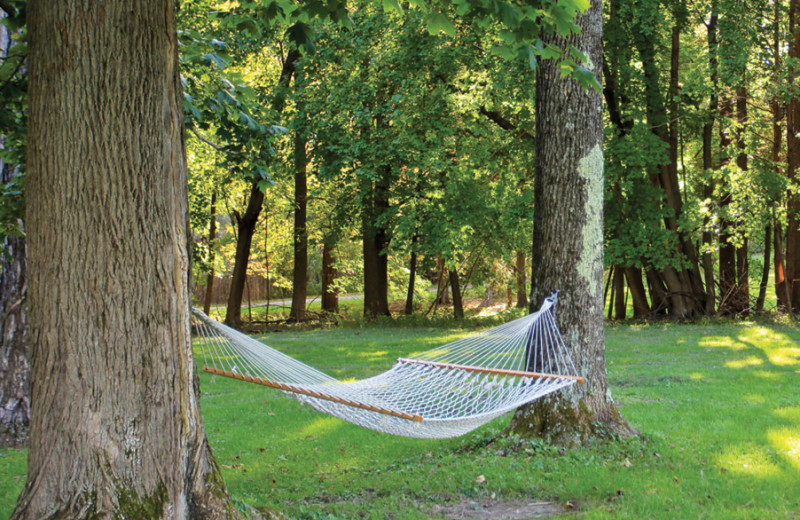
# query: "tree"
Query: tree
{"points": [[14, 363], [108, 274], [568, 239]]}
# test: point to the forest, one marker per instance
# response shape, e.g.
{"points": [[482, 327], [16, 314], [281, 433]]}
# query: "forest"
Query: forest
{"points": [[398, 153], [355, 181], [384, 150]]}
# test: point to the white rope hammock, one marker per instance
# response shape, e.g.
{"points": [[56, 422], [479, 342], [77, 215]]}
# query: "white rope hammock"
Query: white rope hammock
{"points": [[444, 392]]}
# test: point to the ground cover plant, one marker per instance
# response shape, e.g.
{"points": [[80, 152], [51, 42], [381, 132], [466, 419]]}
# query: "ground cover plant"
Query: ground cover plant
{"points": [[716, 403]]}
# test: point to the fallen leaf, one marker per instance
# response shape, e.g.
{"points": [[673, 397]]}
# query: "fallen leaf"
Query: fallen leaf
{"points": [[627, 463], [480, 479], [569, 505]]}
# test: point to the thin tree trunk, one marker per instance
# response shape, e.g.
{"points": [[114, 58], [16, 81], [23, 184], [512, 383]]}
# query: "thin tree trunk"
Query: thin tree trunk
{"points": [[300, 271], [742, 252], [116, 430], [375, 241], [620, 309], [567, 253], [246, 227], [522, 294], [330, 294], [708, 163], [792, 256], [212, 236], [412, 277], [762, 287], [658, 292], [458, 304]]}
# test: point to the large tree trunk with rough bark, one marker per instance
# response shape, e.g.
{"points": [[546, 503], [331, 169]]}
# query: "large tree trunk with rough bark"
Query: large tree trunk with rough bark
{"points": [[15, 409], [568, 242], [115, 430]]}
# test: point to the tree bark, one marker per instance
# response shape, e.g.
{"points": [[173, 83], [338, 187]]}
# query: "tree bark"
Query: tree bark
{"points": [[15, 410], [246, 228], [330, 294], [708, 162], [212, 237], [115, 430], [412, 277], [567, 252], [792, 255], [375, 241], [641, 308], [620, 307], [300, 271], [458, 304], [522, 295]]}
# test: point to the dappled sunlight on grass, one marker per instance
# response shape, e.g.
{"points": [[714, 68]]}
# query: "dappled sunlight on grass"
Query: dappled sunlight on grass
{"points": [[787, 442], [696, 376], [721, 341], [751, 460], [749, 361], [323, 425]]}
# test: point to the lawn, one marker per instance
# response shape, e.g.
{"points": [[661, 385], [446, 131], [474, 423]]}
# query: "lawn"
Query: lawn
{"points": [[717, 405]]}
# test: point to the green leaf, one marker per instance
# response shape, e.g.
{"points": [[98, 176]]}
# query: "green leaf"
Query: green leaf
{"points": [[392, 5], [504, 52], [575, 5], [439, 22]]}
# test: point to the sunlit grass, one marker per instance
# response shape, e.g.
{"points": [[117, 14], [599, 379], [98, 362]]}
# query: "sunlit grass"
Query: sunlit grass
{"points": [[717, 403]]}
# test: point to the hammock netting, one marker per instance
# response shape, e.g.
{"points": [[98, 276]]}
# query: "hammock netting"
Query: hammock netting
{"points": [[444, 392]]}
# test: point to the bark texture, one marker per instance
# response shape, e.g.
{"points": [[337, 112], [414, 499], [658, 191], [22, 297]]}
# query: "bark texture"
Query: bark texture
{"points": [[793, 159], [567, 242], [15, 411], [115, 427], [330, 293], [246, 228], [300, 235], [15, 405], [375, 240]]}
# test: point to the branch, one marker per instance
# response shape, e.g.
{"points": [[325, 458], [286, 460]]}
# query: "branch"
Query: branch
{"points": [[206, 140]]}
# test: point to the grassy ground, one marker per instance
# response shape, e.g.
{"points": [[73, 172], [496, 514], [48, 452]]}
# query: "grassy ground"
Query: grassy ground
{"points": [[717, 404]]}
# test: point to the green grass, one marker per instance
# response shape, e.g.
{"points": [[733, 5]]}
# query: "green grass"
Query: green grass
{"points": [[717, 404]]}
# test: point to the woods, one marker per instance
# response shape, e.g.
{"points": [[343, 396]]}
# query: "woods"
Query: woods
{"points": [[640, 158]]}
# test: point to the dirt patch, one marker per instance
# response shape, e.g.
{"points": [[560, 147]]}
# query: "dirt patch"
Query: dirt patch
{"points": [[503, 510]]}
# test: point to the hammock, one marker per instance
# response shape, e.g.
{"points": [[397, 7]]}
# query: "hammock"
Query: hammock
{"points": [[444, 392]]}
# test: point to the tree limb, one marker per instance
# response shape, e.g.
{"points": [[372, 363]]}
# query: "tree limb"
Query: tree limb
{"points": [[206, 140]]}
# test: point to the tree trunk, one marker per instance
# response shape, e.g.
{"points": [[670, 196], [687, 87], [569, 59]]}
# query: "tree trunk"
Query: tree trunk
{"points": [[15, 408], [793, 159], [115, 430], [522, 295], [458, 304], [412, 277], [708, 163], [375, 241], [300, 272], [246, 228], [641, 309], [330, 294], [567, 252], [762, 287], [212, 236], [620, 308]]}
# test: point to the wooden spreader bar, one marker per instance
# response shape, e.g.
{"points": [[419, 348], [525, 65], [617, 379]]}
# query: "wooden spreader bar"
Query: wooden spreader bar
{"points": [[311, 393], [484, 370]]}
